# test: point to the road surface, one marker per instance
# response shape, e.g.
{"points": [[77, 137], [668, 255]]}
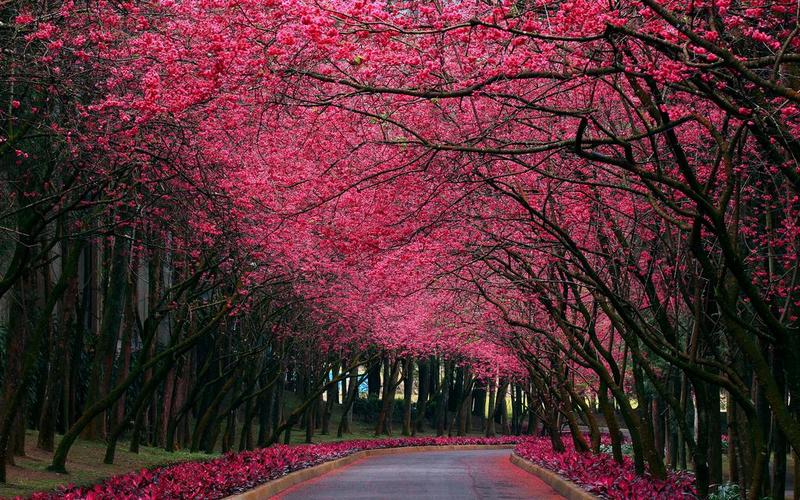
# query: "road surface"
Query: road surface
{"points": [[455, 475]]}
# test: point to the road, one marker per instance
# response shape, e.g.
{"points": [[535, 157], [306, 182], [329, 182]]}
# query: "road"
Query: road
{"points": [[443, 475]]}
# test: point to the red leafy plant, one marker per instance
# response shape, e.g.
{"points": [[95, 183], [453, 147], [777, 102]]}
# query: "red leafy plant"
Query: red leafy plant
{"points": [[601, 475], [237, 472]]}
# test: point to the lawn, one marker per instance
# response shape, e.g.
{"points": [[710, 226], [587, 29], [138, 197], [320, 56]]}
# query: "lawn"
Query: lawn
{"points": [[85, 465]]}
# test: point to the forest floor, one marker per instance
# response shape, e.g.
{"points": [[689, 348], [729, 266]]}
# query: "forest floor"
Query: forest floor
{"points": [[85, 465]]}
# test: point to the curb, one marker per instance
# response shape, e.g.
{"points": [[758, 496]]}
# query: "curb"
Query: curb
{"points": [[567, 488], [272, 488]]}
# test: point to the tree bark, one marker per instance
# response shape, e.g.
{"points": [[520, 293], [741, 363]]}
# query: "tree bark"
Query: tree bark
{"points": [[490, 428], [408, 387], [383, 425], [54, 389], [347, 407], [113, 305], [422, 397]]}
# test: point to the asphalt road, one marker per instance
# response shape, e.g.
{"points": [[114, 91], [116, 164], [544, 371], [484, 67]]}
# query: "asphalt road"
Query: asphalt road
{"points": [[432, 474]]}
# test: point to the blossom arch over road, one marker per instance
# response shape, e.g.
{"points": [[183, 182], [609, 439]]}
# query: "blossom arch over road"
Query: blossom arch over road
{"points": [[595, 203]]}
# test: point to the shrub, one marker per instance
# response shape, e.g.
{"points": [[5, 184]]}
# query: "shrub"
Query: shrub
{"points": [[601, 475], [726, 491]]}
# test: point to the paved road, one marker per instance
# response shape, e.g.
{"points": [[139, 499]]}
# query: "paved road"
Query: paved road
{"points": [[421, 475]]}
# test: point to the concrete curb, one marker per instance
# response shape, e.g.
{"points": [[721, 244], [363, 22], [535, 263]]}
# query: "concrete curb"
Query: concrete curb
{"points": [[272, 488], [562, 485]]}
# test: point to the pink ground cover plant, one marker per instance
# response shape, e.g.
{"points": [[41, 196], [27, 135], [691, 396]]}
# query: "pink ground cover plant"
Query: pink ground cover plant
{"points": [[601, 475], [238, 472]]}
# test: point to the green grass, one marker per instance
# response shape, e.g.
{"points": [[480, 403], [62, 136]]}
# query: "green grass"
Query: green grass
{"points": [[85, 465]]}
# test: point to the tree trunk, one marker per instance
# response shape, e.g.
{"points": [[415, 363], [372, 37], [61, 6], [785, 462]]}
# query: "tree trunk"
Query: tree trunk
{"points": [[464, 408], [500, 410], [113, 305], [347, 407], [442, 402], [264, 406], [383, 425], [54, 390], [408, 387], [479, 406], [611, 422], [490, 428], [374, 380], [327, 410], [422, 397]]}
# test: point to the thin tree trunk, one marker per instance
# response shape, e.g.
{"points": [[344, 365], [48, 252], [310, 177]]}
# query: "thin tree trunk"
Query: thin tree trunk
{"points": [[54, 391], [408, 386], [490, 428], [347, 407], [113, 305], [443, 400]]}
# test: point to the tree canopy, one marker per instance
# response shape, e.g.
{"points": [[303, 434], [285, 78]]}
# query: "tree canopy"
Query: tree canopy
{"points": [[596, 200]]}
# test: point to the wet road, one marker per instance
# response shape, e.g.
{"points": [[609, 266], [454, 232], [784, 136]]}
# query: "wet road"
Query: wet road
{"points": [[433, 474]]}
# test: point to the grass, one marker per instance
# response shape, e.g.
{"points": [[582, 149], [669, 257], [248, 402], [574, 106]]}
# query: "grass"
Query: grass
{"points": [[85, 465]]}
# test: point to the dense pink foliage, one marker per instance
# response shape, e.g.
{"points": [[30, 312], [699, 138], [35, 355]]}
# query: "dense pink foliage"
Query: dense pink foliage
{"points": [[235, 473], [601, 475], [279, 102]]}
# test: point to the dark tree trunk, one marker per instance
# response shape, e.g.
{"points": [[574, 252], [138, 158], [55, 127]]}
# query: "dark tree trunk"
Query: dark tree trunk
{"points": [[264, 406], [347, 407], [113, 305], [490, 427], [18, 328], [611, 422], [779, 444], [58, 361], [374, 380], [422, 397], [384, 425], [465, 404], [500, 411], [277, 405], [516, 410], [479, 405], [442, 403], [327, 410], [408, 387]]}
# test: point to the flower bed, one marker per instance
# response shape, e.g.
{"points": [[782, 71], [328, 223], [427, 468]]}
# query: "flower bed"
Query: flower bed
{"points": [[601, 475], [239, 472]]}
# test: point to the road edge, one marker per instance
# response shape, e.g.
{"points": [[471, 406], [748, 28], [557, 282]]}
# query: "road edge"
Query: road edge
{"points": [[556, 481], [272, 488]]}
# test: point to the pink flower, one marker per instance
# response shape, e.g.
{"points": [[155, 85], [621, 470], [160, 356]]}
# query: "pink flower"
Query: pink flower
{"points": [[24, 18]]}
